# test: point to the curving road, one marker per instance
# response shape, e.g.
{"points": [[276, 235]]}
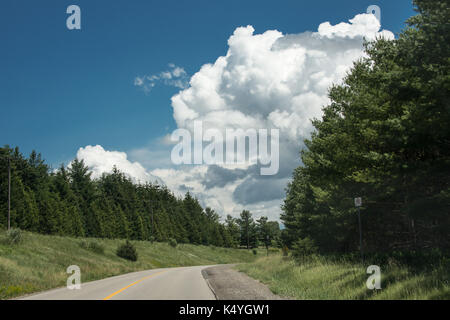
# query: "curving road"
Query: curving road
{"points": [[183, 283]]}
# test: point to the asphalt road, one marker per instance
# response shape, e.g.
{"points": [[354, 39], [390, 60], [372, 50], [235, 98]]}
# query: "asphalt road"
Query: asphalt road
{"points": [[184, 283]]}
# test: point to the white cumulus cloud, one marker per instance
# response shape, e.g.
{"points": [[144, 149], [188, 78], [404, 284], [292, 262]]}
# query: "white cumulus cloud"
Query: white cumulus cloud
{"points": [[274, 80], [102, 161], [267, 80]]}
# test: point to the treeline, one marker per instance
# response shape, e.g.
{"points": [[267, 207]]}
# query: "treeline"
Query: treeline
{"points": [[384, 137], [251, 233], [69, 202]]}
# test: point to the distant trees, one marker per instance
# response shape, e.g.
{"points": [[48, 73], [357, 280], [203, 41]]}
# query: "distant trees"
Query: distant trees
{"points": [[252, 233], [69, 202], [268, 232], [385, 137]]}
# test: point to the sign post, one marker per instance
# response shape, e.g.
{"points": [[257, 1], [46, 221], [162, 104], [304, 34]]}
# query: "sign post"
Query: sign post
{"points": [[358, 203]]}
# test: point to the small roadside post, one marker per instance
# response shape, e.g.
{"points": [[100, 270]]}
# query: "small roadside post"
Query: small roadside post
{"points": [[358, 203]]}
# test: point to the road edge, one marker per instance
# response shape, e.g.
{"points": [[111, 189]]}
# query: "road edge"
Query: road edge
{"points": [[205, 276]]}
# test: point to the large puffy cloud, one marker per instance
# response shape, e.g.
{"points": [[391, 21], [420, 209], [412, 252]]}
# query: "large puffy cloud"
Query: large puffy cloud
{"points": [[269, 80], [102, 161], [274, 80]]}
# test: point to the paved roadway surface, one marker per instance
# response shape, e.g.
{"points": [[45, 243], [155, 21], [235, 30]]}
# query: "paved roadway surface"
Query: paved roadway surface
{"points": [[184, 283]]}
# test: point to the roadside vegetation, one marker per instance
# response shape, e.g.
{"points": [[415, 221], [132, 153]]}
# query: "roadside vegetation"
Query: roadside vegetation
{"points": [[331, 278], [39, 262]]}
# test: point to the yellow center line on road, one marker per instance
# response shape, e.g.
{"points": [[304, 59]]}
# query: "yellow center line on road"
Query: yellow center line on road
{"points": [[136, 282]]}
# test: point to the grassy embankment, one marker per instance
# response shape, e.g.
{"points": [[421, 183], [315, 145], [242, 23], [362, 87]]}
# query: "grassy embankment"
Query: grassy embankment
{"points": [[39, 262], [325, 278]]}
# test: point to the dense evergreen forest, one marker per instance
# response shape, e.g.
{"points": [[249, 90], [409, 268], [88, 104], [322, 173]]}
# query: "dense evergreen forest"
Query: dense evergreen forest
{"points": [[384, 137], [69, 202]]}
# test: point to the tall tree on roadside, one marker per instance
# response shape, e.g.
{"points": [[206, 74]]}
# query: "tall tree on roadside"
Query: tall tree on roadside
{"points": [[233, 229], [248, 230], [385, 137], [264, 231]]}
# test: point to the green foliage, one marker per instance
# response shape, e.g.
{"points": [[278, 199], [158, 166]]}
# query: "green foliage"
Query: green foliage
{"points": [[268, 231], [127, 251], [303, 247], [325, 278], [13, 236], [233, 230], [248, 230], [173, 243], [384, 137], [93, 246]]}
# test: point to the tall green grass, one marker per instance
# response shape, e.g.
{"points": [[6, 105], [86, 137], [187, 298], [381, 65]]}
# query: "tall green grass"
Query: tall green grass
{"points": [[319, 277], [39, 262]]}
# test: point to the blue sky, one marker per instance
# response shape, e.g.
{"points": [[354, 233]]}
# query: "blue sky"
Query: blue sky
{"points": [[61, 89]]}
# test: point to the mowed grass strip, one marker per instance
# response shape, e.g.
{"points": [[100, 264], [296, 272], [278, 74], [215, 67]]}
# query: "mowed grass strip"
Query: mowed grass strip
{"points": [[40, 262], [319, 278]]}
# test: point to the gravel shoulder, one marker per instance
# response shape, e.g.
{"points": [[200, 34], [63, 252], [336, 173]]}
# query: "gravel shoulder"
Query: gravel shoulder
{"points": [[229, 284]]}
